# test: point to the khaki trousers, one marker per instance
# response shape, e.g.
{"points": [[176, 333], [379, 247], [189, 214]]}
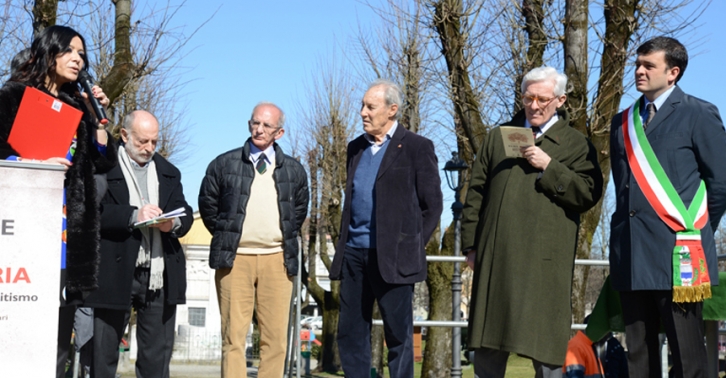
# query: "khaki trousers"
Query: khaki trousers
{"points": [[260, 280]]}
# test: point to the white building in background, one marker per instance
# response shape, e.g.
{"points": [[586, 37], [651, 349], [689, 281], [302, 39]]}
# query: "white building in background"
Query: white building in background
{"points": [[198, 322]]}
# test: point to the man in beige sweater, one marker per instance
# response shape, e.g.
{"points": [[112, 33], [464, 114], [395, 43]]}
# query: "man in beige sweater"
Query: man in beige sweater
{"points": [[253, 201]]}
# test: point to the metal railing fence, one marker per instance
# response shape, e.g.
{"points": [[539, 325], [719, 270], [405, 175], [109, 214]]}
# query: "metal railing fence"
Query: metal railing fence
{"points": [[711, 327]]}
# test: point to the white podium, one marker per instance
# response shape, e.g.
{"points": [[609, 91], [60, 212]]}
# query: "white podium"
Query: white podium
{"points": [[31, 204]]}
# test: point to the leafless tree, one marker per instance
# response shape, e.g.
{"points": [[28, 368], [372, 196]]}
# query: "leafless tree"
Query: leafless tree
{"points": [[555, 33], [328, 113], [477, 51], [136, 53], [600, 251], [135, 57]]}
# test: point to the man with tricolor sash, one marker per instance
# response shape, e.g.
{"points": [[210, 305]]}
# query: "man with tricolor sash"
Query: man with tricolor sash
{"points": [[667, 155]]}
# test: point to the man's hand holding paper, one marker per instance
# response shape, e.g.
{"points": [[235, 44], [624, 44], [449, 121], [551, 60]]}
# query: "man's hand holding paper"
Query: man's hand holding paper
{"points": [[164, 226], [536, 157], [147, 212], [151, 216]]}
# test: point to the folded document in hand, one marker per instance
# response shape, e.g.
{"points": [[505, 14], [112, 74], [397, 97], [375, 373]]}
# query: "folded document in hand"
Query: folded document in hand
{"points": [[161, 218], [514, 138]]}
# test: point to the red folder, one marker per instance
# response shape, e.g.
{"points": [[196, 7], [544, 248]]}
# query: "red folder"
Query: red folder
{"points": [[44, 126]]}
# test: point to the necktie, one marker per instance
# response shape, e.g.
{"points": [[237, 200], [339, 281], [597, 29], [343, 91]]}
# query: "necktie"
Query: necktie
{"points": [[651, 113], [261, 164], [535, 131]]}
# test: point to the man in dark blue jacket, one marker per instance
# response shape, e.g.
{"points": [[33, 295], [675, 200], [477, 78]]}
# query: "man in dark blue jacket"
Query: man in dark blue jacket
{"points": [[667, 155], [393, 202]]}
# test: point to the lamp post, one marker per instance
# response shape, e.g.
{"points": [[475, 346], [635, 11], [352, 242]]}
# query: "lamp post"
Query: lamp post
{"points": [[452, 167]]}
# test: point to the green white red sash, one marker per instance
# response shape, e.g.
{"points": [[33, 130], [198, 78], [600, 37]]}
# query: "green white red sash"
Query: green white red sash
{"points": [[691, 282]]}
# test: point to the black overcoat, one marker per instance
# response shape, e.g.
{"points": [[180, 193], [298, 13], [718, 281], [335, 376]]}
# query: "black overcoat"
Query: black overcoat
{"points": [[120, 243]]}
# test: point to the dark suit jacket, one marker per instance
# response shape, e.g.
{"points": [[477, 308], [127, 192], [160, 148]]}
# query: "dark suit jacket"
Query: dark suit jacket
{"points": [[688, 138], [120, 243], [408, 206]]}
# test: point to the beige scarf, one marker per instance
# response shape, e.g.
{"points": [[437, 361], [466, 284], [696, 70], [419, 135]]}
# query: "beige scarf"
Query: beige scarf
{"points": [[151, 250]]}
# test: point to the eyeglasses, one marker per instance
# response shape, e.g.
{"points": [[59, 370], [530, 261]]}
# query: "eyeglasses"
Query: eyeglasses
{"points": [[541, 101], [254, 124]]}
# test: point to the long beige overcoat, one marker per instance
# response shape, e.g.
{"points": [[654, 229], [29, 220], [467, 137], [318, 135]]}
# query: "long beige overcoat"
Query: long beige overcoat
{"points": [[523, 226]]}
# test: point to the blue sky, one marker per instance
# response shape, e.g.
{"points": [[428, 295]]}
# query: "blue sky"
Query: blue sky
{"points": [[266, 50], [252, 51]]}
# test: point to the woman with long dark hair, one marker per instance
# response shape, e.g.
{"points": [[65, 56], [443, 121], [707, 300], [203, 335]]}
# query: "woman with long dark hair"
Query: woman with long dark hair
{"points": [[57, 55]]}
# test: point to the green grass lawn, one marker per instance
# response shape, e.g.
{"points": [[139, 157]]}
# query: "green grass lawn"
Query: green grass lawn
{"points": [[517, 367]]}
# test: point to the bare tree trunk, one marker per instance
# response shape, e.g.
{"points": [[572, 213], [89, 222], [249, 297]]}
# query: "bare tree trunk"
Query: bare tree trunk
{"points": [[575, 59], [331, 312], [377, 337], [330, 358], [123, 64], [412, 72], [328, 116], [470, 131], [314, 215], [620, 23], [44, 15], [533, 12], [467, 119], [619, 26], [333, 198], [437, 355]]}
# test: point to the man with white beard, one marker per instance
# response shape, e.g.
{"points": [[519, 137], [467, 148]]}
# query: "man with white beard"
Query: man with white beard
{"points": [[143, 267]]}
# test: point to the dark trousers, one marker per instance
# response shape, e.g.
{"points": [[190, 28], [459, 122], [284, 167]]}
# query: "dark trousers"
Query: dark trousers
{"points": [[360, 285], [66, 314], [154, 332], [492, 363], [643, 313]]}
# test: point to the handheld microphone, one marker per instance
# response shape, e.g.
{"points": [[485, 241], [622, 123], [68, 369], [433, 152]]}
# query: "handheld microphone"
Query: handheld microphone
{"points": [[84, 78]]}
